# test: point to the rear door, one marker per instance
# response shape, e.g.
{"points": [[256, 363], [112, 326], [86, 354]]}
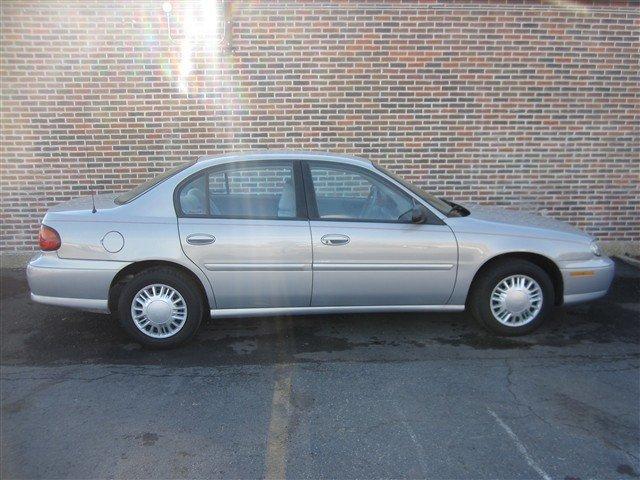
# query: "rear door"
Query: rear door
{"points": [[366, 251], [245, 225]]}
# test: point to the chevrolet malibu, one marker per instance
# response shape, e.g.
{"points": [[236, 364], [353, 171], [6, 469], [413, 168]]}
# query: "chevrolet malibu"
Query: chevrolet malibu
{"points": [[283, 233]]}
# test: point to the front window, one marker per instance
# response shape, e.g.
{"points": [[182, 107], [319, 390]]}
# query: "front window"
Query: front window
{"points": [[434, 201], [129, 195], [242, 191], [344, 193]]}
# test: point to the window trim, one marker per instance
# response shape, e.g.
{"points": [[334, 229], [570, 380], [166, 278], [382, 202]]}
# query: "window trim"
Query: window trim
{"points": [[312, 204], [301, 205]]}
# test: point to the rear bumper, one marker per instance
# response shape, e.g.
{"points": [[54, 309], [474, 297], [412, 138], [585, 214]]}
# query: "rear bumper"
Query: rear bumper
{"points": [[82, 284], [588, 280]]}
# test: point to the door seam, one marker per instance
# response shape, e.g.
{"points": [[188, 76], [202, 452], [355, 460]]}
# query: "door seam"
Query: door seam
{"points": [[213, 292], [302, 165], [312, 262], [455, 279]]}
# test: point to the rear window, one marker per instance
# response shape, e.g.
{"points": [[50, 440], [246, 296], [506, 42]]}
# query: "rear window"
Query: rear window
{"points": [[258, 190], [127, 196]]}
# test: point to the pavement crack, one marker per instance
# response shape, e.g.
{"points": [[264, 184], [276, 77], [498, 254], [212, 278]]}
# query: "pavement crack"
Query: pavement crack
{"points": [[531, 411], [509, 380], [520, 401]]}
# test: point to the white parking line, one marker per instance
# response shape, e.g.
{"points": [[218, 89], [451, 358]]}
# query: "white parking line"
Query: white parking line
{"points": [[521, 448], [414, 439]]}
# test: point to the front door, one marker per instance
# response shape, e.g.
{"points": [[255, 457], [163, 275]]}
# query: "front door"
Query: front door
{"points": [[366, 251], [245, 226]]}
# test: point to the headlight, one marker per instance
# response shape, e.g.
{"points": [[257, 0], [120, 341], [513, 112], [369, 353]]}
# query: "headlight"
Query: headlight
{"points": [[595, 249]]}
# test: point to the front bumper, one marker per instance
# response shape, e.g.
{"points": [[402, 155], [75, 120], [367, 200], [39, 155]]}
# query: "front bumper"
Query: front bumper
{"points": [[587, 280], [82, 284]]}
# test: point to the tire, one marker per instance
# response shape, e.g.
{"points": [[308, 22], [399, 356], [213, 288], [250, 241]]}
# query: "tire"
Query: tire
{"points": [[175, 315], [525, 282]]}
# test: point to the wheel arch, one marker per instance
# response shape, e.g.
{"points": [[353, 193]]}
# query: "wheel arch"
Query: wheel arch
{"points": [[127, 272], [548, 265]]}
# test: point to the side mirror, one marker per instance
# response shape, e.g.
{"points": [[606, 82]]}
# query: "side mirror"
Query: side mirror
{"points": [[419, 214]]}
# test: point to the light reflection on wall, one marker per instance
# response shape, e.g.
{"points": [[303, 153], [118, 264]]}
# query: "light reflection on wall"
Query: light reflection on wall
{"points": [[200, 27]]}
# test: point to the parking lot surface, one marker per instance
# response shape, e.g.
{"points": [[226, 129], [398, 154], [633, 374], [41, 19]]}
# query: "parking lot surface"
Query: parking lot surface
{"points": [[340, 396]]}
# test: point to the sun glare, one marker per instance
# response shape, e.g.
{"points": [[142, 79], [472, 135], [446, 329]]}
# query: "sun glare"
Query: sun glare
{"points": [[200, 27]]}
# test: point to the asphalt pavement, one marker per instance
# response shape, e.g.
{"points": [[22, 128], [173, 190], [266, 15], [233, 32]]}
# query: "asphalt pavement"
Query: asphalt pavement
{"points": [[331, 396]]}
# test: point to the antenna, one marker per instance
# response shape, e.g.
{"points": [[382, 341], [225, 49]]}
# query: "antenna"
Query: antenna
{"points": [[93, 202]]}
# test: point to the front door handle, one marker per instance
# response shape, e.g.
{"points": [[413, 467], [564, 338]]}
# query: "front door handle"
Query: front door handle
{"points": [[200, 239], [335, 240]]}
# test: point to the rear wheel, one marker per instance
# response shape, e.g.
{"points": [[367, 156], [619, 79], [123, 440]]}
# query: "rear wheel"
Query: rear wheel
{"points": [[160, 307], [512, 297]]}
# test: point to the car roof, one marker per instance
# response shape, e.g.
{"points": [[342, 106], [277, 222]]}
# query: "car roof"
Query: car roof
{"points": [[283, 154]]}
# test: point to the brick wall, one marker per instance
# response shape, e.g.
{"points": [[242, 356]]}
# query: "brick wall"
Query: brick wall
{"points": [[528, 105]]}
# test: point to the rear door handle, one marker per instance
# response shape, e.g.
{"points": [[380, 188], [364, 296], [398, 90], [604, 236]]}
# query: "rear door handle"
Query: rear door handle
{"points": [[200, 239], [335, 240]]}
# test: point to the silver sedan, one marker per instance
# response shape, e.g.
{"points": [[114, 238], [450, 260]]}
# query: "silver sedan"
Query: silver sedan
{"points": [[282, 233]]}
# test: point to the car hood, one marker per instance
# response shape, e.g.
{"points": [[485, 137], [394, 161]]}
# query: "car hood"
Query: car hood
{"points": [[523, 219]]}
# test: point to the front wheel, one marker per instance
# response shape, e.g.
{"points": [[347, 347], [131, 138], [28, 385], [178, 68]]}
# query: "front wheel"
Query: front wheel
{"points": [[160, 307], [512, 297]]}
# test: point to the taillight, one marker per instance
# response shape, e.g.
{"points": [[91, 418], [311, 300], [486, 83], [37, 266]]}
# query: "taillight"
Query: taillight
{"points": [[48, 239]]}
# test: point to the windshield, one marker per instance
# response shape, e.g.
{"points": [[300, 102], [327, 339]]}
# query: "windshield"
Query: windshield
{"points": [[126, 197], [434, 201]]}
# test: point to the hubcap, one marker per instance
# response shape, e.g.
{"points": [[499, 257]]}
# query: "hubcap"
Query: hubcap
{"points": [[159, 311], [516, 300]]}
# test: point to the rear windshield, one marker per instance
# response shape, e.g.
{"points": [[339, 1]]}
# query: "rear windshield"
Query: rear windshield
{"points": [[127, 196]]}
